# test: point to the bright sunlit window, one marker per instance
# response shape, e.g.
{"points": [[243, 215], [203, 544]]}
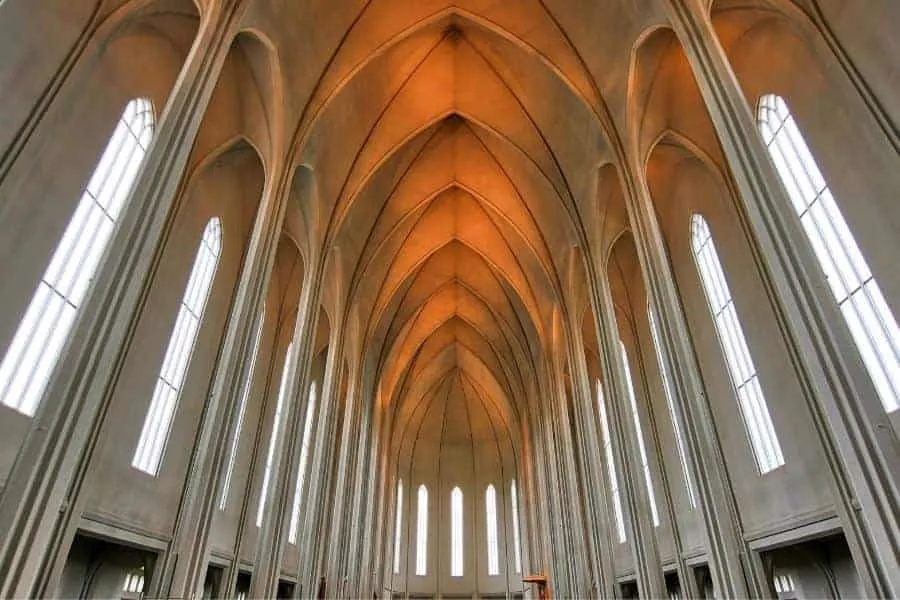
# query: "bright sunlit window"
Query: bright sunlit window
{"points": [[490, 515], [398, 524], [752, 403], [855, 289], [422, 532], [44, 329], [245, 395], [456, 532], [301, 466], [611, 466], [514, 501], [273, 439], [670, 403], [158, 423]]}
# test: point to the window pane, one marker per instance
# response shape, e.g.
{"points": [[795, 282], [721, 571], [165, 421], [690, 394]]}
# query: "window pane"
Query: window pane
{"points": [[301, 466], [490, 513], [273, 438], [245, 395], [422, 532], [670, 403], [636, 419], [855, 289], [752, 403], [398, 526], [456, 532], [514, 500], [157, 424], [44, 330], [611, 466]]}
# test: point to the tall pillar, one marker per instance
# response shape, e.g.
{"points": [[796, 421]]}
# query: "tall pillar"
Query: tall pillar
{"points": [[596, 492], [276, 516], [350, 441], [562, 577], [857, 441], [365, 503], [42, 500], [579, 559], [309, 539], [636, 502], [732, 570]]}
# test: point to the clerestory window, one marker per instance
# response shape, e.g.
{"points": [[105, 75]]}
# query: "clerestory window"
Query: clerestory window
{"points": [[871, 322], [47, 323], [158, 422], [751, 401]]}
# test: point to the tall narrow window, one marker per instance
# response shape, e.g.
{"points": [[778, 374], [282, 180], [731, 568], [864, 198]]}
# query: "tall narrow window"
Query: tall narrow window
{"points": [[490, 515], [36, 346], [456, 532], [398, 524], [636, 418], [611, 466], [245, 395], [670, 403], [514, 501], [301, 467], [755, 412], [158, 423], [422, 532], [273, 439], [855, 289]]}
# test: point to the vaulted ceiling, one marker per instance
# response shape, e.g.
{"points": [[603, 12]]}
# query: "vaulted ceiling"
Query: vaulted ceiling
{"points": [[456, 161]]}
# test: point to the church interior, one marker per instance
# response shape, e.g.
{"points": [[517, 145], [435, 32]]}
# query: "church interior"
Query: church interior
{"points": [[458, 299]]}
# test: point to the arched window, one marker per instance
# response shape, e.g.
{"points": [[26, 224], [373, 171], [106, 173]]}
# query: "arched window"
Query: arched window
{"points": [[398, 523], [514, 501], [855, 289], [456, 532], [490, 515], [273, 439], [636, 418], [39, 339], [670, 403], [422, 532], [245, 395], [752, 403], [301, 466], [157, 424], [611, 466]]}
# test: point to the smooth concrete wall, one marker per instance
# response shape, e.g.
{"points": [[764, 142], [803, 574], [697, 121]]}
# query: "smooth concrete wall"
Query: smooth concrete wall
{"points": [[857, 160], [45, 183]]}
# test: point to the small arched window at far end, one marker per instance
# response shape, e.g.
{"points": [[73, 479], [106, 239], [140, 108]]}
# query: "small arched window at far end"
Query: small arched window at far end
{"points": [[422, 531], [456, 532], [870, 320]]}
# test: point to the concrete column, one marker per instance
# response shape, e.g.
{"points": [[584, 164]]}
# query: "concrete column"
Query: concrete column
{"points": [[857, 441], [728, 554], [310, 538], [276, 516], [42, 501], [635, 501], [554, 498], [350, 441], [596, 491], [365, 504], [579, 559]]}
